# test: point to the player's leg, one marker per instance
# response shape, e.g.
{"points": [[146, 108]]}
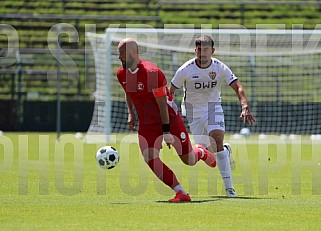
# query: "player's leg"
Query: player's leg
{"points": [[150, 147], [199, 152], [216, 140], [217, 145], [188, 154], [216, 128], [223, 159]]}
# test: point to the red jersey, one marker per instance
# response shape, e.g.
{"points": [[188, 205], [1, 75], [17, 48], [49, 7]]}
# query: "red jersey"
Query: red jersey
{"points": [[139, 85]]}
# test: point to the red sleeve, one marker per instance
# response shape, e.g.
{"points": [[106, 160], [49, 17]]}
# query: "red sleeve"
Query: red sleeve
{"points": [[159, 92], [159, 84], [161, 79], [118, 73]]}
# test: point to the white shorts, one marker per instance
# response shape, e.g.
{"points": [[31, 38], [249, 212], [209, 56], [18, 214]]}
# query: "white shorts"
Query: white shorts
{"points": [[202, 126]]}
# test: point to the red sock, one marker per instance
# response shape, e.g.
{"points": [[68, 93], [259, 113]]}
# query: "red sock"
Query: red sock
{"points": [[198, 153], [163, 172]]}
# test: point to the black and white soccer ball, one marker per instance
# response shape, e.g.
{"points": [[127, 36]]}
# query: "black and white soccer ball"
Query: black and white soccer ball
{"points": [[107, 157]]}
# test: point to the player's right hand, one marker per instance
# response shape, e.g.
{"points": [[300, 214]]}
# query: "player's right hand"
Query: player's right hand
{"points": [[169, 139], [131, 121]]}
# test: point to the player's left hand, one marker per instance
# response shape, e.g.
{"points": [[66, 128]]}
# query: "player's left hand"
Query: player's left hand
{"points": [[247, 116], [168, 138], [131, 121]]}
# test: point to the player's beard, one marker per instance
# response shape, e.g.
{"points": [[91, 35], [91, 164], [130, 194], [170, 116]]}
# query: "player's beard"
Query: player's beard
{"points": [[127, 64], [203, 59]]}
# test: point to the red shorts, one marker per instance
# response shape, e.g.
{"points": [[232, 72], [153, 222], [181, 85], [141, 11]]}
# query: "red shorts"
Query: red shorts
{"points": [[151, 136]]}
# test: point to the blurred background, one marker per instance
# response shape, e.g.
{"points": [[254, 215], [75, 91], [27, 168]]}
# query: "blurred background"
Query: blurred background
{"points": [[43, 70]]}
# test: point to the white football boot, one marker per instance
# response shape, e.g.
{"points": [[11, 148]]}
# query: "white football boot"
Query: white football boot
{"points": [[230, 192]]}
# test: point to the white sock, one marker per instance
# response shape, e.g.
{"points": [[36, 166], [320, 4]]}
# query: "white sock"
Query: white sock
{"points": [[179, 187], [223, 163]]}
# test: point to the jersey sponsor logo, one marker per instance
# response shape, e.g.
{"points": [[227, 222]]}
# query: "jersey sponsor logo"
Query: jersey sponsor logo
{"points": [[140, 86], [204, 85], [195, 77], [212, 75]]}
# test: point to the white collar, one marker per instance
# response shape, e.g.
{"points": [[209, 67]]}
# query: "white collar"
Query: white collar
{"points": [[133, 72]]}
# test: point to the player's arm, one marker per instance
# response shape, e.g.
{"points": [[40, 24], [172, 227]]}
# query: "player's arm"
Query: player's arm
{"points": [[161, 99], [162, 104], [172, 90], [177, 81], [246, 113], [131, 121]]}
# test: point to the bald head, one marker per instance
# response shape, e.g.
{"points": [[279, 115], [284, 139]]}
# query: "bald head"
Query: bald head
{"points": [[129, 43], [128, 53]]}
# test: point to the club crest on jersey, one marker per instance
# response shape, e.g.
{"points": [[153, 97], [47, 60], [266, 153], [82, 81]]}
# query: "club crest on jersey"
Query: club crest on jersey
{"points": [[140, 86], [212, 74], [183, 136]]}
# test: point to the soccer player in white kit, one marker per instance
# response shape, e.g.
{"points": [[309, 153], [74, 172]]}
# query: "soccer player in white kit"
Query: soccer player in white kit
{"points": [[202, 78]]}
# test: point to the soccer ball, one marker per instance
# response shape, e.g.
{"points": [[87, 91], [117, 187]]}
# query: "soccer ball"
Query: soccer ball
{"points": [[107, 157], [245, 132]]}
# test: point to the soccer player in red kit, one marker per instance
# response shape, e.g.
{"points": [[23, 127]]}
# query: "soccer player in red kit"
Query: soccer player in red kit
{"points": [[146, 92]]}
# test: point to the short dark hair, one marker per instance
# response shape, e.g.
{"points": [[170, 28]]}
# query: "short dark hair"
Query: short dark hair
{"points": [[204, 40]]}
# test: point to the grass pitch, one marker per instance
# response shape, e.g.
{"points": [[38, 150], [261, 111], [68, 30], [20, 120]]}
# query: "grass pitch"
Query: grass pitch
{"points": [[46, 185]]}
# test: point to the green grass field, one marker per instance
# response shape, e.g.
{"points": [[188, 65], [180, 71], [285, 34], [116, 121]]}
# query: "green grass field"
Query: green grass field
{"points": [[47, 185]]}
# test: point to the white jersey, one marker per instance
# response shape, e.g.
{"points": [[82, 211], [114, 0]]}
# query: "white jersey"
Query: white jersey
{"points": [[202, 87]]}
